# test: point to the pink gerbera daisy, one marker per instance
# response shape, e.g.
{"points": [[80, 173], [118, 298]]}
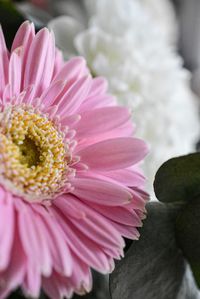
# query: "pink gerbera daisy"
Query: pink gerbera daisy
{"points": [[70, 184]]}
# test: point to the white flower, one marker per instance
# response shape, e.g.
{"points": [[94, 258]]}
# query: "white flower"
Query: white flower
{"points": [[124, 43], [163, 14]]}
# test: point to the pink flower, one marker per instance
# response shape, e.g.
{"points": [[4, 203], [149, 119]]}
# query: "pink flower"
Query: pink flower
{"points": [[70, 184]]}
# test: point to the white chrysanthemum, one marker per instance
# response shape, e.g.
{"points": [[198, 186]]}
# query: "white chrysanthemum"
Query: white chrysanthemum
{"points": [[163, 13], [123, 43]]}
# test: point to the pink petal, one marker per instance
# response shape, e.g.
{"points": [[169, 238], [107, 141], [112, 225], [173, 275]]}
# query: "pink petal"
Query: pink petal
{"points": [[15, 71], [83, 247], [29, 94], [100, 121], [73, 70], [3, 62], [127, 177], [23, 39], [59, 250], [120, 215], [33, 240], [99, 86], [129, 232], [32, 281], [6, 231], [49, 62], [51, 288], [41, 48], [113, 153], [82, 270], [101, 192], [97, 227], [73, 98], [67, 207], [51, 93], [24, 36], [138, 200], [98, 101], [57, 286], [58, 62], [7, 94], [125, 130], [96, 223], [70, 120], [14, 274]]}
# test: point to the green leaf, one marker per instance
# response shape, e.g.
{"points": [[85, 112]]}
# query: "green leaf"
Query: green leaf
{"points": [[188, 235], [10, 20], [154, 266], [178, 179]]}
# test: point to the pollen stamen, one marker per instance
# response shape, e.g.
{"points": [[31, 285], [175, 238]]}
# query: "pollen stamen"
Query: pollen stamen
{"points": [[35, 158]]}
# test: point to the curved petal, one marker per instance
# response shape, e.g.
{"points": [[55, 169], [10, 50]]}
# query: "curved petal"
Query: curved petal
{"points": [[98, 101], [113, 154], [3, 62], [33, 239], [129, 177], [6, 231], [50, 94], [58, 62], [15, 71], [60, 253], [40, 61], [85, 248], [32, 281], [101, 192], [24, 37], [99, 86], [14, 273], [120, 215], [73, 70], [74, 96], [100, 121], [96, 227]]}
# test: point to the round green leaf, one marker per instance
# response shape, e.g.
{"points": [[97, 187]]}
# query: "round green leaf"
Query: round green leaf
{"points": [[154, 266], [188, 235], [178, 179]]}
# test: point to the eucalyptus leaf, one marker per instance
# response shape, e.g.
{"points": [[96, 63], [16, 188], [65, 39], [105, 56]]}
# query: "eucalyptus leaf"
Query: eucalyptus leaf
{"points": [[178, 179], [10, 19], [153, 267], [188, 236]]}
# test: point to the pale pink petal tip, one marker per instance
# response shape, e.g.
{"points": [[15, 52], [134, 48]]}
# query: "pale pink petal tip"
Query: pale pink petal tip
{"points": [[89, 194]]}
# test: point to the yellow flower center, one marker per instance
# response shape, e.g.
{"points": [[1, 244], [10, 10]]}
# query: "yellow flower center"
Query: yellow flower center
{"points": [[34, 159]]}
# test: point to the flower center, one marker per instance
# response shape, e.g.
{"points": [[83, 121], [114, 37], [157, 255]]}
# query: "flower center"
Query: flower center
{"points": [[33, 156], [30, 154]]}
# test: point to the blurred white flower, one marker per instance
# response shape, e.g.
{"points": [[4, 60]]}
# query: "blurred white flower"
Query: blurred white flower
{"points": [[163, 14], [124, 43]]}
